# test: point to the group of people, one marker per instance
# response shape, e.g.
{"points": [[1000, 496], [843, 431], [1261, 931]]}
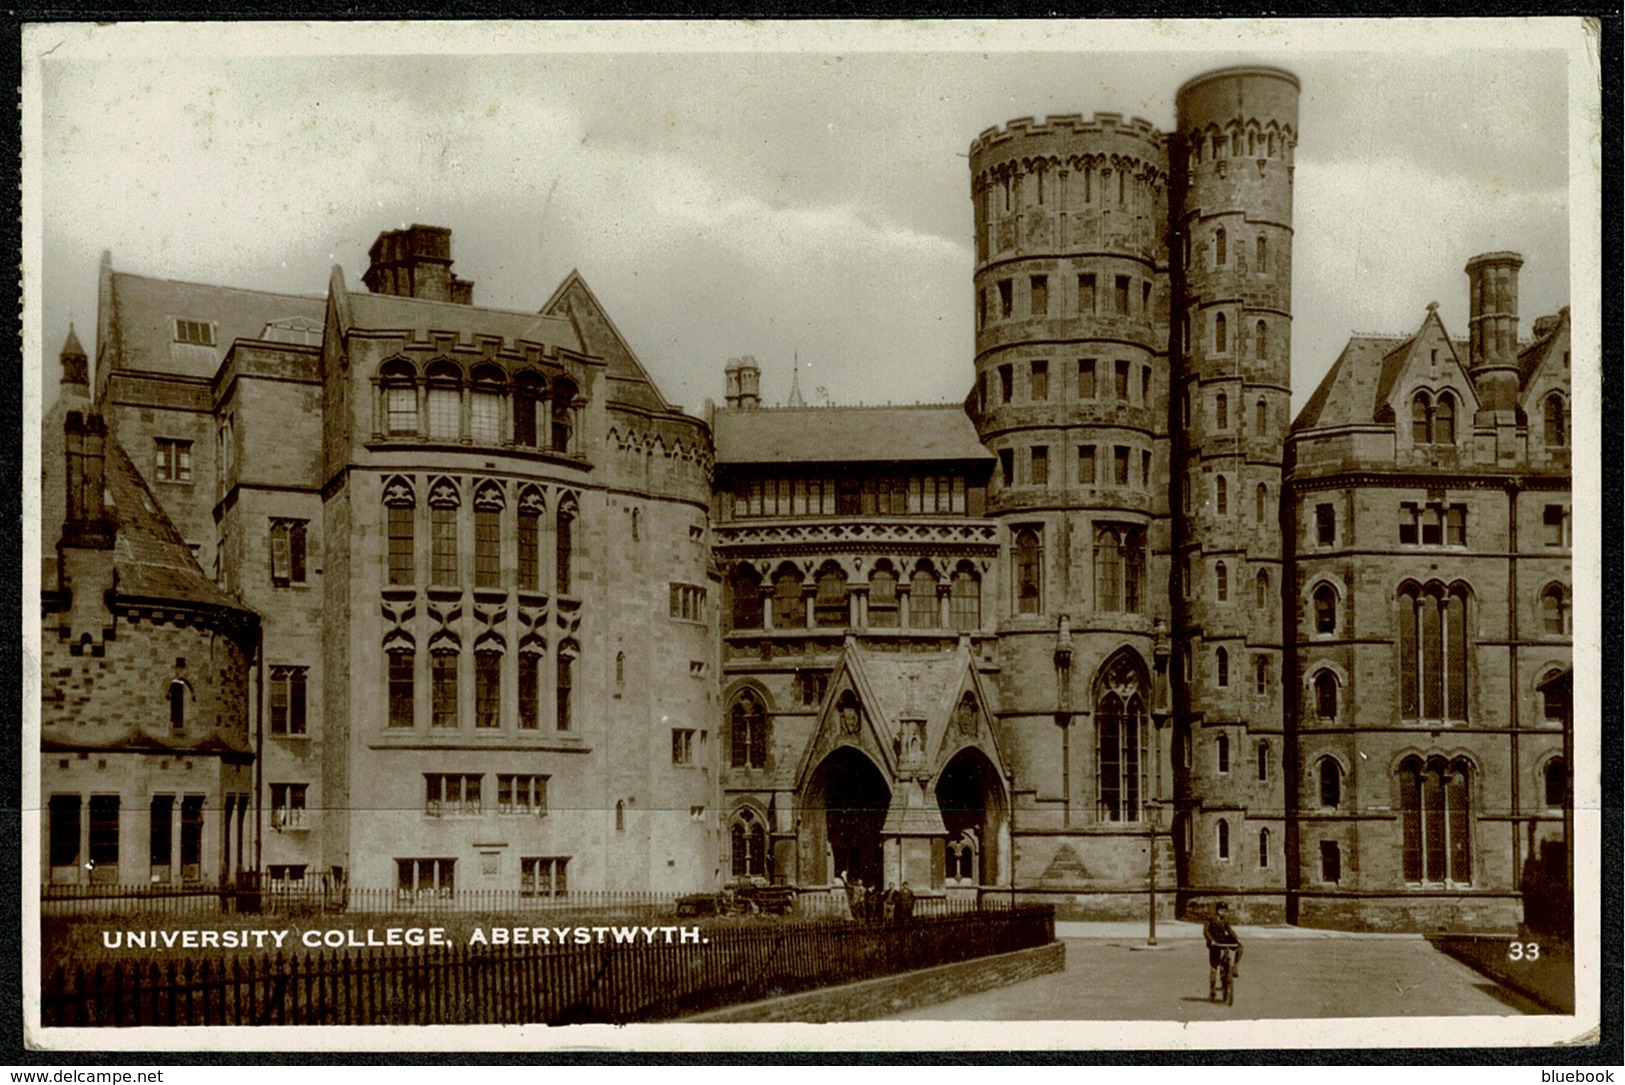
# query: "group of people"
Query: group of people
{"points": [[894, 904]]}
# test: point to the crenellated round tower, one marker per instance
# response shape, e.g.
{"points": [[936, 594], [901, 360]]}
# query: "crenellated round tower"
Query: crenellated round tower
{"points": [[1072, 298], [1232, 285]]}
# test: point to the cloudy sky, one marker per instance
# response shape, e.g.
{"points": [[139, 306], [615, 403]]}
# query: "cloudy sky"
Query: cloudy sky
{"points": [[759, 189]]}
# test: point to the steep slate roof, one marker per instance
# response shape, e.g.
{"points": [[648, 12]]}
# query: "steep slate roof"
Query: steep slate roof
{"points": [[145, 307], [846, 435], [629, 382], [152, 560], [384, 312], [1357, 385], [1530, 357]]}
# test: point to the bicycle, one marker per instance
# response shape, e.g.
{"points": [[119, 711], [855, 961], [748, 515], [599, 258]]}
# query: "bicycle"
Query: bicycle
{"points": [[1227, 975]]}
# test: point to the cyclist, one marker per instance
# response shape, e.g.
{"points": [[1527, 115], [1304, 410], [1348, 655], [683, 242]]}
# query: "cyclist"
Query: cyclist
{"points": [[1220, 936]]}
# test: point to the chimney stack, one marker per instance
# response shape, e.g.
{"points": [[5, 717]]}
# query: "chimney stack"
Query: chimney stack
{"points": [[750, 384], [416, 263], [86, 524], [1492, 328]]}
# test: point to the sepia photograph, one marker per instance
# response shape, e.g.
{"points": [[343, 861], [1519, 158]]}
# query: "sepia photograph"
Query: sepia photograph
{"points": [[905, 535]]}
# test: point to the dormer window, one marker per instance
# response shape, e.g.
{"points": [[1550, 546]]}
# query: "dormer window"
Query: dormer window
{"points": [[1433, 423], [196, 332]]}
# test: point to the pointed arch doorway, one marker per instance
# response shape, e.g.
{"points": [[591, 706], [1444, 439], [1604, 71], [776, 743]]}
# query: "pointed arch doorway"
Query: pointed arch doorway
{"points": [[974, 810], [843, 811]]}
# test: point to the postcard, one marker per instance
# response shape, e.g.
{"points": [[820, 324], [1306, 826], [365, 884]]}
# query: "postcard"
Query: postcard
{"points": [[850, 536]]}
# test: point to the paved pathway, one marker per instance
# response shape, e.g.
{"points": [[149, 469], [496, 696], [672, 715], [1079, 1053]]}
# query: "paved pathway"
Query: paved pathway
{"points": [[1286, 973]]}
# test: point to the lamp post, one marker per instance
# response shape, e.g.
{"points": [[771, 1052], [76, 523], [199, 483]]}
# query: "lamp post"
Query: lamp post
{"points": [[1161, 650]]}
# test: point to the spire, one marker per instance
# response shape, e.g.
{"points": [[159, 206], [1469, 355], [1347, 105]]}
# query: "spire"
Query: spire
{"points": [[795, 383]]}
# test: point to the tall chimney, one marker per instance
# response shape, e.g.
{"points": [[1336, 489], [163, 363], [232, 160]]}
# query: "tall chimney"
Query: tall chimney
{"points": [[416, 263], [750, 384], [1492, 328]]}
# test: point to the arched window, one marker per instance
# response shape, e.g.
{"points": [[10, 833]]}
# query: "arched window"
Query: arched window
{"points": [[528, 391], [747, 597], [564, 687], [530, 539], [749, 839], [1221, 659], [748, 748], [1554, 610], [564, 546], [959, 860], [1221, 334], [1220, 247], [1261, 421], [1262, 761], [445, 402], [883, 598], [1261, 675], [487, 688], [1221, 411], [1262, 246], [1326, 695], [923, 612], [1554, 698], [1119, 770], [830, 607], [1555, 781], [1108, 569], [1444, 420], [1331, 783], [1221, 751], [1556, 431], [1221, 495], [1325, 609], [1435, 805], [485, 405], [563, 420], [1221, 582], [178, 698], [1223, 834], [400, 515], [965, 600], [399, 382], [444, 504], [1421, 419], [401, 690], [1029, 585], [1261, 589], [1261, 340], [1263, 849], [788, 611], [1433, 652]]}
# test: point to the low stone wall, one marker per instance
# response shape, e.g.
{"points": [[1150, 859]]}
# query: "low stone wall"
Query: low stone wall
{"points": [[1481, 912], [877, 998]]}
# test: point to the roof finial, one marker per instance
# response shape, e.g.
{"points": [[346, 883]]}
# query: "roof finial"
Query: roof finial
{"points": [[1433, 306], [795, 399]]}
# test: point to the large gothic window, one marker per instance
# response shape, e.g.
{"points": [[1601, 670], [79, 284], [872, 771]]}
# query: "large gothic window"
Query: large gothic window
{"points": [[564, 546], [1119, 568], [1433, 651], [1331, 783], [485, 405], [965, 600], [1119, 743], [528, 391], [922, 601], [398, 380], [749, 846], [747, 598], [1421, 419], [883, 598], [829, 606], [1444, 420], [788, 611], [1435, 806], [748, 748], [1029, 581], [445, 402], [1326, 695], [1554, 610]]}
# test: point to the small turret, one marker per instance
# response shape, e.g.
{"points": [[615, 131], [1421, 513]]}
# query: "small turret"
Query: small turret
{"points": [[731, 374], [75, 367]]}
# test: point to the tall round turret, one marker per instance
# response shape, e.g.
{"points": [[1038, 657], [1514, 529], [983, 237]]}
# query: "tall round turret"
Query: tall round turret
{"points": [[1233, 165], [1071, 297]]}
